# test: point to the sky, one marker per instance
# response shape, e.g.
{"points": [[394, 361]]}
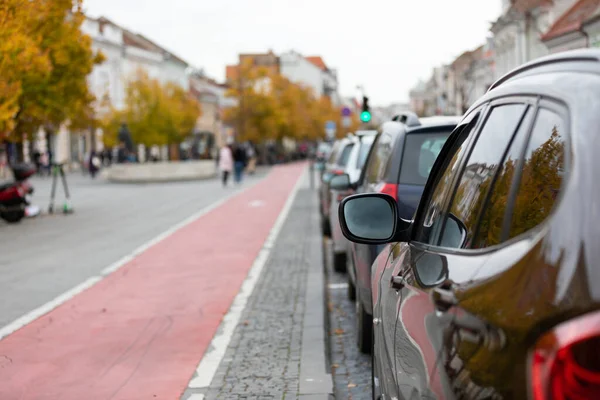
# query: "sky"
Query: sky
{"points": [[384, 46]]}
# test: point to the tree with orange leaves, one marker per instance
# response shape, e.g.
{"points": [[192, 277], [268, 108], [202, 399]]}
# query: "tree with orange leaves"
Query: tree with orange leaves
{"points": [[44, 63]]}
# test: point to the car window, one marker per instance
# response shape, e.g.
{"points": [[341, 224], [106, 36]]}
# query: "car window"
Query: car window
{"points": [[379, 159], [365, 146], [420, 152], [334, 153], [345, 155], [478, 173], [489, 230], [541, 175], [428, 230]]}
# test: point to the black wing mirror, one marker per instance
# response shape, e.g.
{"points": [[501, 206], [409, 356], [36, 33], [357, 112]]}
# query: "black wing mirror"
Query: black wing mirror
{"points": [[372, 218], [340, 182], [455, 233]]}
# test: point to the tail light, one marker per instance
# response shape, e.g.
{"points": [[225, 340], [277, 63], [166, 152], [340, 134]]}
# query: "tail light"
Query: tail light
{"points": [[389, 188], [337, 171], [565, 364]]}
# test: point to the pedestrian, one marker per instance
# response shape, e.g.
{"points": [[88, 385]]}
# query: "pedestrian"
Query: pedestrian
{"points": [[225, 162], [37, 160], [251, 155], [240, 161], [93, 163]]}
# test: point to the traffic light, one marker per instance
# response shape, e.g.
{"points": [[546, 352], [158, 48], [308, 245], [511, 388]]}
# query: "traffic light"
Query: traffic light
{"points": [[365, 115]]}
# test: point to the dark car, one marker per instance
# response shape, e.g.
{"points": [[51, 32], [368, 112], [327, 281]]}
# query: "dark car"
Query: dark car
{"points": [[491, 290], [403, 154]]}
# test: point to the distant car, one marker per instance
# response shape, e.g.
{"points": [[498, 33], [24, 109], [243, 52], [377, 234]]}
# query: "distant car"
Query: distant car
{"points": [[335, 165], [399, 164], [360, 144], [490, 290]]}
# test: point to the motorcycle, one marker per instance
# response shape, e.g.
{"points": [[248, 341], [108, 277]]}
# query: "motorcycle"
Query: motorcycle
{"points": [[15, 196]]}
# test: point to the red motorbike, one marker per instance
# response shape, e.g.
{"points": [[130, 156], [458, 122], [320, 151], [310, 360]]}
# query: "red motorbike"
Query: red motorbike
{"points": [[14, 196]]}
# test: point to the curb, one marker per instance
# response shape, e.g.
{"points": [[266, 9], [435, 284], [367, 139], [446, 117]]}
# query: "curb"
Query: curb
{"points": [[316, 382]]}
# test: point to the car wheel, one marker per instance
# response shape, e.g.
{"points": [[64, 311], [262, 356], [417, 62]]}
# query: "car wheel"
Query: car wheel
{"points": [[325, 227], [364, 329], [339, 262], [351, 290]]}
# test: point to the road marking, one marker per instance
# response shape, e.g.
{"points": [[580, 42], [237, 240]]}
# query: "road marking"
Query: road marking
{"points": [[69, 294], [196, 396], [207, 368], [337, 286], [256, 203]]}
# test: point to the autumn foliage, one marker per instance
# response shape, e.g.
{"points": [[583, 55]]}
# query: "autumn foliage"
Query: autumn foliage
{"points": [[271, 107], [156, 113], [44, 62]]}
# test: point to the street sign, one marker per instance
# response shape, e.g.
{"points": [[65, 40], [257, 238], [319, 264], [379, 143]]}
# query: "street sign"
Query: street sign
{"points": [[330, 129], [346, 112], [346, 121]]}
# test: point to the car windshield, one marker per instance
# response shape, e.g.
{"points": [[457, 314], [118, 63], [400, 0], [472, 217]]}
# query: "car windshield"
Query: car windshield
{"points": [[420, 152], [365, 146]]}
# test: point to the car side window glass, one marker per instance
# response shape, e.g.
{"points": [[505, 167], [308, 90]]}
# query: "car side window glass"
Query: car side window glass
{"points": [[378, 159], [477, 175], [429, 228], [541, 175], [489, 231]]}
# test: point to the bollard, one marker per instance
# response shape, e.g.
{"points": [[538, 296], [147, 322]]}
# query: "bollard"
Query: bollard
{"points": [[311, 171]]}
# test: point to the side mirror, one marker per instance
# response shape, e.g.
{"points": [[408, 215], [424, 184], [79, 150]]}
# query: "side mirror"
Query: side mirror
{"points": [[455, 233], [372, 218], [340, 182], [431, 270]]}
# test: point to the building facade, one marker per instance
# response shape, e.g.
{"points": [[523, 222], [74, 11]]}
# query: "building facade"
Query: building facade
{"points": [[125, 53]]}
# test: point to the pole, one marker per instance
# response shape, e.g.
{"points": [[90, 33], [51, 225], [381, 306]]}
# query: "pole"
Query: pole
{"points": [[311, 171]]}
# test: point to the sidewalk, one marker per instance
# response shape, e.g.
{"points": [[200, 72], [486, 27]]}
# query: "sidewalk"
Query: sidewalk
{"points": [[278, 350]]}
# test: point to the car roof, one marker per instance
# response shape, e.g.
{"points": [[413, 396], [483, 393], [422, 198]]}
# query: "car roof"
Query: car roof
{"points": [[440, 120], [591, 56]]}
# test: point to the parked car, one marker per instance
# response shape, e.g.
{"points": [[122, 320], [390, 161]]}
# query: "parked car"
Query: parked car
{"points": [[399, 164], [337, 161], [321, 154], [360, 144], [490, 291]]}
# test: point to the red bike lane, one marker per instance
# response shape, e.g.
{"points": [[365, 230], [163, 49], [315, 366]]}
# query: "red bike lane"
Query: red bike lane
{"points": [[140, 332]]}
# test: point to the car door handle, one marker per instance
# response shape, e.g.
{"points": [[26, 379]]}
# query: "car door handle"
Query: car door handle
{"points": [[398, 282], [443, 299]]}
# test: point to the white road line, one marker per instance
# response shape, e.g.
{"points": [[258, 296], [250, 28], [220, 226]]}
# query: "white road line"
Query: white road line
{"points": [[69, 294], [196, 396], [216, 350], [336, 286]]}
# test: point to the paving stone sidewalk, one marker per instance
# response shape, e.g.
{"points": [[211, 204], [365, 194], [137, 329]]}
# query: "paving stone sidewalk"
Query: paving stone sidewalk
{"points": [[277, 350]]}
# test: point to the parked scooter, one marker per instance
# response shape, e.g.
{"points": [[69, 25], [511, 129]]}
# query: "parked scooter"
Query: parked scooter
{"points": [[14, 196]]}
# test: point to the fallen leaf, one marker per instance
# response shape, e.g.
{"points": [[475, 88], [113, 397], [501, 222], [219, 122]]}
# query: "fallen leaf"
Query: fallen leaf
{"points": [[339, 331], [351, 385], [246, 323], [335, 365]]}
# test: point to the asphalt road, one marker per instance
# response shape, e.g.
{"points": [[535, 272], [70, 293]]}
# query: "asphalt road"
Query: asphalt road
{"points": [[42, 257]]}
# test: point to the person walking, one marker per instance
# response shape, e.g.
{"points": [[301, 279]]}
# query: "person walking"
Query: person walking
{"points": [[93, 164], [239, 159], [225, 163], [251, 155]]}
